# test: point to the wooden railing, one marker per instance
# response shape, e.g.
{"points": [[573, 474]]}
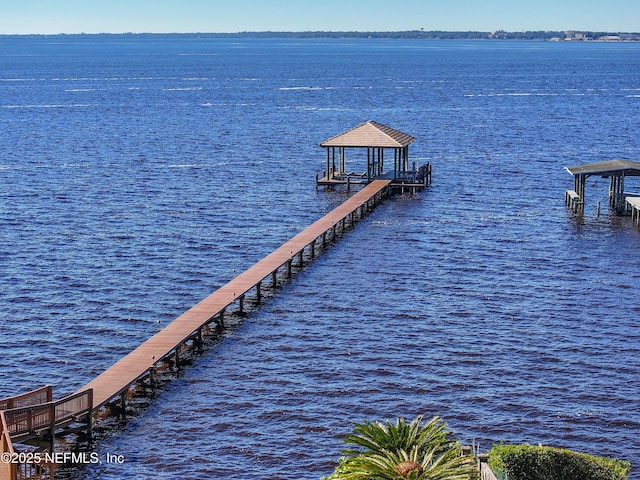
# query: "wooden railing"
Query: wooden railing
{"points": [[35, 397], [485, 471], [7, 469], [11, 465], [24, 422], [26, 419], [573, 201]]}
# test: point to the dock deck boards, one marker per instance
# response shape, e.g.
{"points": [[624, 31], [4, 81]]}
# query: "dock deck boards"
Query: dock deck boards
{"points": [[634, 202], [136, 364]]}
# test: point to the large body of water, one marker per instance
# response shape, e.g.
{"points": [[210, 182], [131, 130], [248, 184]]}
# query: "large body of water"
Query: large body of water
{"points": [[138, 174]]}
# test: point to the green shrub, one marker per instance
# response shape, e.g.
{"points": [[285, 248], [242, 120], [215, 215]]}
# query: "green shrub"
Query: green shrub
{"points": [[527, 462]]}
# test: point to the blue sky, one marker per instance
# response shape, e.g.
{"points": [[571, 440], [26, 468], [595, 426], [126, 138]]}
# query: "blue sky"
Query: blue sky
{"points": [[117, 16]]}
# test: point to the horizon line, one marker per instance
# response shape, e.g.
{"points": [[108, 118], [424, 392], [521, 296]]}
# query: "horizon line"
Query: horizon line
{"points": [[335, 32]]}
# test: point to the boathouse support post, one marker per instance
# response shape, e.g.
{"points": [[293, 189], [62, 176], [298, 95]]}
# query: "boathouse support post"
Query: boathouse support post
{"points": [[300, 259], [395, 163], [406, 157], [616, 193], [312, 247], [577, 204], [333, 162], [621, 206], [328, 163], [611, 188]]}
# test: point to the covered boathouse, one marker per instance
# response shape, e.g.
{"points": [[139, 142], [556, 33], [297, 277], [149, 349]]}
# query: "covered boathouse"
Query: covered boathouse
{"points": [[620, 201], [377, 139]]}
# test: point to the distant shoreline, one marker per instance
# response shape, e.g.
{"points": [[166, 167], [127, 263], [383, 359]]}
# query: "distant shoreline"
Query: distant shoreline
{"points": [[560, 36]]}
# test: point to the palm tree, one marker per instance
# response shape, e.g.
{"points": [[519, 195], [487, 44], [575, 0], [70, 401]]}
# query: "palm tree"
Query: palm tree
{"points": [[401, 450]]}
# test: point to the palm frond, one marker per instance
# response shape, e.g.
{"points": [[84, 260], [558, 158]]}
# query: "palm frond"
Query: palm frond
{"points": [[403, 450]]}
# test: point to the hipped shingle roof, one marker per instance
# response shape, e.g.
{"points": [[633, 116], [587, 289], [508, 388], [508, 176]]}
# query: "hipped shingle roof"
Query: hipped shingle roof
{"points": [[370, 134]]}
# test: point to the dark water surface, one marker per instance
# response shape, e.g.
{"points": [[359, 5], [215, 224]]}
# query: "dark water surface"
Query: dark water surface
{"points": [[137, 174]]}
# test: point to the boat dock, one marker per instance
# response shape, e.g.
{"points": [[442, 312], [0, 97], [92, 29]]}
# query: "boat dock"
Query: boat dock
{"points": [[376, 139], [35, 415], [615, 170]]}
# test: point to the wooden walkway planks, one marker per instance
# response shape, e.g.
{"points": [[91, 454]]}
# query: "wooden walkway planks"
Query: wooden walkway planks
{"points": [[119, 377], [634, 204]]}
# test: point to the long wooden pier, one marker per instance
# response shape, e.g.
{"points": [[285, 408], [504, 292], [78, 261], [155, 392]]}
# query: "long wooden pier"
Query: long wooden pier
{"points": [[143, 359], [30, 415]]}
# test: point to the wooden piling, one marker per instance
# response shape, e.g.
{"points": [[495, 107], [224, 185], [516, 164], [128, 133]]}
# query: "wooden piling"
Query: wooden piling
{"points": [[241, 304]]}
